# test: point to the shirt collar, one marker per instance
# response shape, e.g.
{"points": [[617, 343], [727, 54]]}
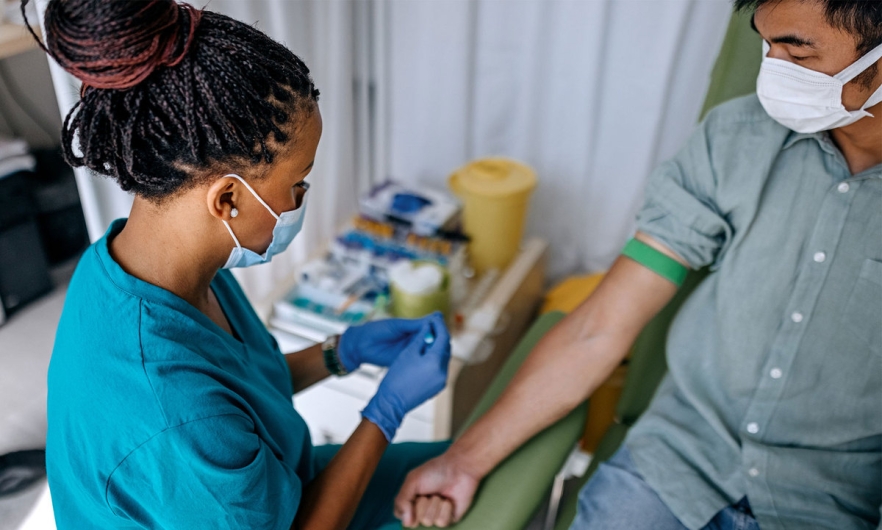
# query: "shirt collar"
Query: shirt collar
{"points": [[826, 143], [823, 138]]}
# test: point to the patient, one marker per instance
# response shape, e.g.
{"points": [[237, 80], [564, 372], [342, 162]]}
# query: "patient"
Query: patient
{"points": [[771, 413]]}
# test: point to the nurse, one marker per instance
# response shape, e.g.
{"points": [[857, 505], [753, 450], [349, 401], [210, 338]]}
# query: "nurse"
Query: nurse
{"points": [[169, 402]]}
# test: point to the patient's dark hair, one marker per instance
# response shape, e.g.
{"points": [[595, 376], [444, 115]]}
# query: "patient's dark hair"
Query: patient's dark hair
{"points": [[171, 93], [861, 18]]}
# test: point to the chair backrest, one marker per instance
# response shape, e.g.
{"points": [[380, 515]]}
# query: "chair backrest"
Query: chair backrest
{"points": [[738, 64]]}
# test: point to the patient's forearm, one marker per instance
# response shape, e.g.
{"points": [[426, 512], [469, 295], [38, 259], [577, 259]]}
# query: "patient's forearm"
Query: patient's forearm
{"points": [[567, 365], [556, 377]]}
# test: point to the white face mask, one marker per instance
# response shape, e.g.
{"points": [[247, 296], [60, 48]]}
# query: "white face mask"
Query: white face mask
{"points": [[807, 101]]}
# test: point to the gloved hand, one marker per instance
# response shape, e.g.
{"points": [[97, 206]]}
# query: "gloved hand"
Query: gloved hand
{"points": [[377, 342], [419, 372]]}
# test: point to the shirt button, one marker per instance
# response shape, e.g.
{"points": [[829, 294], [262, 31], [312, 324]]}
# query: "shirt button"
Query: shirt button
{"points": [[843, 187], [752, 428], [819, 257], [776, 373], [753, 472], [796, 317]]}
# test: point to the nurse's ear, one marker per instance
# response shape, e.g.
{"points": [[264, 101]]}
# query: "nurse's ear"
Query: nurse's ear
{"points": [[221, 197]]}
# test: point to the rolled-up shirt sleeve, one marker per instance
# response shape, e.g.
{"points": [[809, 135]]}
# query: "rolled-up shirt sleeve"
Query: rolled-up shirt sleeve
{"points": [[680, 210], [209, 473]]}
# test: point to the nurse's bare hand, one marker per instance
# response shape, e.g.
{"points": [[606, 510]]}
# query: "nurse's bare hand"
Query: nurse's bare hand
{"points": [[442, 478]]}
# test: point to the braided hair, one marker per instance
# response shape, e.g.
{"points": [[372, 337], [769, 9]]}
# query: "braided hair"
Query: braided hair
{"points": [[171, 93]]}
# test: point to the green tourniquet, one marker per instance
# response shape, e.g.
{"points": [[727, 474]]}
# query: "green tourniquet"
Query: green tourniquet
{"points": [[158, 418], [655, 261]]}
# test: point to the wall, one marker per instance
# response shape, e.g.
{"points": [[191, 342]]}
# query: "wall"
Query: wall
{"points": [[27, 76]]}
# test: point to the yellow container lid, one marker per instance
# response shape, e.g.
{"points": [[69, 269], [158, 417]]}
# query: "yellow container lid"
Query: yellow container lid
{"points": [[493, 177]]}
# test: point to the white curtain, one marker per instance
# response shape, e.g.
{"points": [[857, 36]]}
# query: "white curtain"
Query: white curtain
{"points": [[592, 93]]}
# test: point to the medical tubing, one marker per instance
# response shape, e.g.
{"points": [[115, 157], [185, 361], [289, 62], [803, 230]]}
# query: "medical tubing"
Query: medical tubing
{"points": [[654, 260]]}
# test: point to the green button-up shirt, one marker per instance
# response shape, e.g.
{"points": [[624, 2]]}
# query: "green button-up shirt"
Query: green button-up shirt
{"points": [[774, 389]]}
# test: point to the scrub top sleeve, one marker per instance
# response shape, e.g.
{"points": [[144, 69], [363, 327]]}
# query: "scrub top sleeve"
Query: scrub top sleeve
{"points": [[680, 206], [210, 473]]}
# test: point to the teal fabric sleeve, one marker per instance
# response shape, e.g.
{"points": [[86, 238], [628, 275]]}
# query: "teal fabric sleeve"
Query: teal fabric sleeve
{"points": [[657, 262], [158, 418], [214, 472]]}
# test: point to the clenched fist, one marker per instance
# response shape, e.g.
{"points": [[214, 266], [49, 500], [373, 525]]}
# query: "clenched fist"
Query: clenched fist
{"points": [[437, 493]]}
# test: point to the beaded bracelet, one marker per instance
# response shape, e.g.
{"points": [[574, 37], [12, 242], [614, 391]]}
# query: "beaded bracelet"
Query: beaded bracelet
{"points": [[332, 359]]}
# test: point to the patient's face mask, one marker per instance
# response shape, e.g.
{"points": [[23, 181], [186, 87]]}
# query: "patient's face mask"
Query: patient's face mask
{"points": [[288, 225], [807, 101]]}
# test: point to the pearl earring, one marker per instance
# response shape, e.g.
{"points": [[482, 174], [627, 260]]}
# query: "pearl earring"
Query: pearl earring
{"points": [[234, 212]]}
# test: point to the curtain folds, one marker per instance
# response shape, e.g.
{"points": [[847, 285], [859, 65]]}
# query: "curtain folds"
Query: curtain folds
{"points": [[592, 93]]}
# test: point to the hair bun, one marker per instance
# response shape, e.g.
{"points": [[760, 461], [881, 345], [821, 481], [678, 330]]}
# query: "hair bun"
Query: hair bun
{"points": [[118, 44]]}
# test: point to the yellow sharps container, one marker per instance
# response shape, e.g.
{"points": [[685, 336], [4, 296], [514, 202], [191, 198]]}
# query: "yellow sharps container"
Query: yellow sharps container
{"points": [[495, 194]]}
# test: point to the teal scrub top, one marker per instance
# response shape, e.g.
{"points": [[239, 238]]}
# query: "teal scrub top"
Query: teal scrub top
{"points": [[158, 418]]}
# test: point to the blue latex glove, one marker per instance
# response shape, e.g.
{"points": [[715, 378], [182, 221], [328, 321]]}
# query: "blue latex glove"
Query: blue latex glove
{"points": [[377, 342], [418, 373]]}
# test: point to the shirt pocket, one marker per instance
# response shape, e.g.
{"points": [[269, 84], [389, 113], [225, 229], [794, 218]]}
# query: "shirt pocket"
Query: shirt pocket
{"points": [[863, 312]]}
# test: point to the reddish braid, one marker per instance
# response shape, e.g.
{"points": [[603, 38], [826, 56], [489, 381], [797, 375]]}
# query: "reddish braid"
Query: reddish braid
{"points": [[172, 94], [147, 35]]}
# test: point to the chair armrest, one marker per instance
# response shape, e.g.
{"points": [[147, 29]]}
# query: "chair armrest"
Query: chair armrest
{"points": [[510, 495]]}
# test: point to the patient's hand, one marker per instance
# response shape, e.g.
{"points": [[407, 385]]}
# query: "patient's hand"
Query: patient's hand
{"points": [[437, 493], [433, 511]]}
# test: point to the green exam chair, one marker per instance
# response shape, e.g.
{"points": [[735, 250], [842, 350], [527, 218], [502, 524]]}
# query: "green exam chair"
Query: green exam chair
{"points": [[512, 494], [509, 497]]}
